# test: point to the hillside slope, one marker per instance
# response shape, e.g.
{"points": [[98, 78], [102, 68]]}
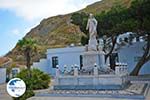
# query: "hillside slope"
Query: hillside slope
{"points": [[58, 31]]}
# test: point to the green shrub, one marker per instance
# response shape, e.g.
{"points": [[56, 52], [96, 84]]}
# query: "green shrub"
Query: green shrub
{"points": [[27, 94], [38, 79]]}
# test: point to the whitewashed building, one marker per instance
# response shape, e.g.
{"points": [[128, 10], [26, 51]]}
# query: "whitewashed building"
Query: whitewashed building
{"points": [[67, 57], [64, 57], [2, 75], [4, 63], [131, 54]]}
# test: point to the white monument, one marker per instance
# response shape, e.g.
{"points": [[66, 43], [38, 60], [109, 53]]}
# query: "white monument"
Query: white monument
{"points": [[92, 27], [94, 74], [93, 54]]}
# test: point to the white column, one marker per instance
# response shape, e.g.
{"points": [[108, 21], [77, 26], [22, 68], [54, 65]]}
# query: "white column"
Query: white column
{"points": [[102, 58], [57, 71], [126, 68], [57, 75], [75, 70], [95, 69], [120, 69], [117, 70], [72, 69], [65, 69]]}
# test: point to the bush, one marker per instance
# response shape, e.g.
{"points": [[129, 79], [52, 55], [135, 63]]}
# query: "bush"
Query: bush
{"points": [[38, 80], [27, 94]]}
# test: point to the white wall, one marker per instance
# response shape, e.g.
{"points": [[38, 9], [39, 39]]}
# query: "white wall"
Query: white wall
{"points": [[66, 56], [42, 65], [127, 54], [70, 56], [2, 75]]}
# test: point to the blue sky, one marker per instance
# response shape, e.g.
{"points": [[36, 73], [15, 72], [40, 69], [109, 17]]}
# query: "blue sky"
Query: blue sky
{"points": [[17, 17]]}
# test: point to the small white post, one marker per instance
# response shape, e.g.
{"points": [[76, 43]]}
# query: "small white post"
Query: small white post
{"points": [[75, 70], [120, 68], [117, 69], [72, 69], [95, 80], [65, 69], [57, 71], [57, 75], [95, 69], [126, 68]]}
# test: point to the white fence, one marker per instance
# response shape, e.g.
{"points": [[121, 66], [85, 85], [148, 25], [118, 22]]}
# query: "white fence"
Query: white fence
{"points": [[121, 69]]}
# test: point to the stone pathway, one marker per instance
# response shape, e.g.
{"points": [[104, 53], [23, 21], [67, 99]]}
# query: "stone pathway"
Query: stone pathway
{"points": [[139, 79], [134, 89], [132, 93], [148, 95], [3, 93], [74, 98]]}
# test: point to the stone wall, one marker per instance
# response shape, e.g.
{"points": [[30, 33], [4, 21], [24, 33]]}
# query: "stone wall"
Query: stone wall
{"points": [[90, 82]]}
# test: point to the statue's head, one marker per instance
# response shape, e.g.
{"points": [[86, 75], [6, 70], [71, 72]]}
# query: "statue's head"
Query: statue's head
{"points": [[91, 15]]}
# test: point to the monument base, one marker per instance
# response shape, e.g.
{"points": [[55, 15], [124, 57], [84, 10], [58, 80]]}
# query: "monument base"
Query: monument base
{"points": [[91, 58], [100, 82]]}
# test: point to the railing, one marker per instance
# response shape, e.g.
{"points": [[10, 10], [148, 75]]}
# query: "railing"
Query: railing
{"points": [[121, 69], [139, 79]]}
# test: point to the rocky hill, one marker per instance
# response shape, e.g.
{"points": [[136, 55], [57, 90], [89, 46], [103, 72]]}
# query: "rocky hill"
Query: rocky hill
{"points": [[57, 31]]}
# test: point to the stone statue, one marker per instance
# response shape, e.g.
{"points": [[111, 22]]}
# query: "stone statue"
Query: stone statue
{"points": [[92, 26]]}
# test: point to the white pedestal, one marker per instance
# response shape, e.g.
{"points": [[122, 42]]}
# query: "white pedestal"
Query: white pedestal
{"points": [[91, 82], [92, 57], [92, 45], [95, 71], [76, 71]]}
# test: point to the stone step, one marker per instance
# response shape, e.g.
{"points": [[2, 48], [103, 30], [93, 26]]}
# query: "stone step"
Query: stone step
{"points": [[134, 91]]}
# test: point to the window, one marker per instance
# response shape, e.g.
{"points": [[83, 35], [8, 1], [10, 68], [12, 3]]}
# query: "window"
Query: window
{"points": [[81, 61], [54, 61]]}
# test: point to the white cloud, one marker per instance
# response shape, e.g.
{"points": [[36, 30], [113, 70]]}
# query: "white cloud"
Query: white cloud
{"points": [[39, 9], [15, 32]]}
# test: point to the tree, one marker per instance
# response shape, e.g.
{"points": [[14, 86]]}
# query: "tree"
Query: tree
{"points": [[134, 19], [108, 25], [120, 20], [107, 22], [141, 13], [28, 46], [80, 19]]}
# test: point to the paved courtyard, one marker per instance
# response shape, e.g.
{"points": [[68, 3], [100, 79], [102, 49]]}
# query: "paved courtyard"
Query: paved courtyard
{"points": [[81, 98], [5, 96], [73, 98], [48, 97], [3, 93]]}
